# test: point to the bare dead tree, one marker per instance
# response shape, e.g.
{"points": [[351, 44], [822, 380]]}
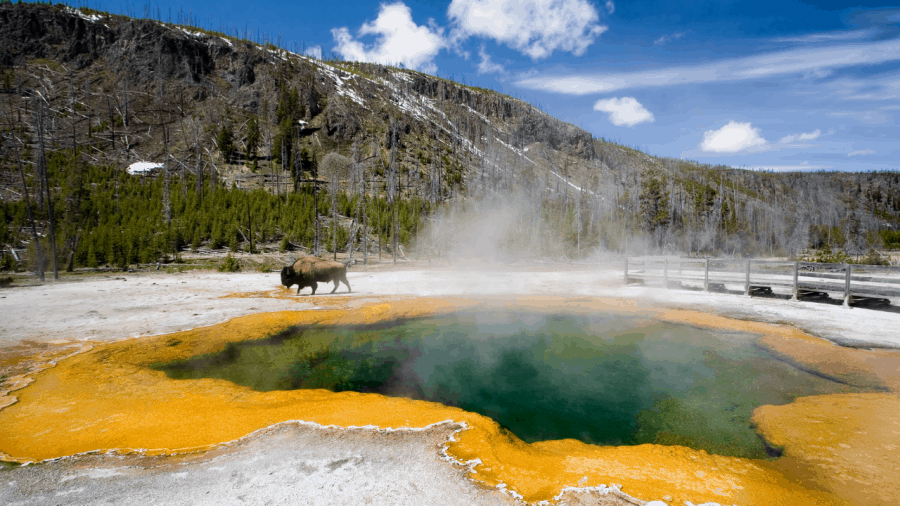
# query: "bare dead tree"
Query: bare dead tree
{"points": [[34, 236], [416, 208], [184, 137], [90, 108], [332, 189], [112, 125], [199, 173], [75, 172], [72, 110], [393, 190], [378, 214], [578, 220], [249, 225], [42, 157], [315, 174], [167, 199], [283, 161], [39, 164], [357, 191], [365, 210], [126, 120]]}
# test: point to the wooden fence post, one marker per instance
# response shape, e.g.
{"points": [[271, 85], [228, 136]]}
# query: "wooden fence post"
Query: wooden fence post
{"points": [[848, 272], [706, 277], [796, 281], [747, 281]]}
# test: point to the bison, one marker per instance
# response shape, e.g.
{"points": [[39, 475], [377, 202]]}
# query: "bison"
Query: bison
{"points": [[310, 271]]}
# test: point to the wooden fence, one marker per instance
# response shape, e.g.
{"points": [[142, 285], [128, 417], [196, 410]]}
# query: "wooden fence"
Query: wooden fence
{"points": [[758, 277]]}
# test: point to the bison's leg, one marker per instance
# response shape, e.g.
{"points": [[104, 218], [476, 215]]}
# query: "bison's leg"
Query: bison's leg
{"points": [[337, 283], [344, 279], [314, 285]]}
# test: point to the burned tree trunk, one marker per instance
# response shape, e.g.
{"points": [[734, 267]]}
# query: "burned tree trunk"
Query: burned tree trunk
{"points": [[315, 172], [168, 198], [332, 187], [34, 236], [393, 191], [42, 158], [199, 173]]}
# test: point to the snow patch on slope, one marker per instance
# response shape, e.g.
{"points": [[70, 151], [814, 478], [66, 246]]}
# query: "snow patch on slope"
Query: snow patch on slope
{"points": [[92, 17]]}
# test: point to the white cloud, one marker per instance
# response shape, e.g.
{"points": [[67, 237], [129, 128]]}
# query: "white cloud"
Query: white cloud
{"points": [[872, 117], [624, 111], [534, 28], [809, 61], [811, 136], [667, 38], [732, 138], [398, 40], [862, 152], [879, 87], [830, 36], [314, 51], [610, 6], [486, 66]]}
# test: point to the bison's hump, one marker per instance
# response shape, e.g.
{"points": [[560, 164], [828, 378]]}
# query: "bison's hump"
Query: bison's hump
{"points": [[310, 264]]}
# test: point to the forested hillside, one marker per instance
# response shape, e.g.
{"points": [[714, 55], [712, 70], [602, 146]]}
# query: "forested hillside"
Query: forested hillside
{"points": [[258, 145]]}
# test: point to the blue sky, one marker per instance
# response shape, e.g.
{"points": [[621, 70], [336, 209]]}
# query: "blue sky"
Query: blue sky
{"points": [[780, 85]]}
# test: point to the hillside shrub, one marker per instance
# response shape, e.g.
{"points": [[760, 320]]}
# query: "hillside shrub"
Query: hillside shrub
{"points": [[230, 264], [891, 238], [826, 256]]}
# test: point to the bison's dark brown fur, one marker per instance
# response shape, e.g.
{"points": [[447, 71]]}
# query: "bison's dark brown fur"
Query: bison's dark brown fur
{"points": [[310, 271]]}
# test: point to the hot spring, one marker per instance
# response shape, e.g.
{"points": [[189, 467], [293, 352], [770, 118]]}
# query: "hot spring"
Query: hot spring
{"points": [[606, 379]]}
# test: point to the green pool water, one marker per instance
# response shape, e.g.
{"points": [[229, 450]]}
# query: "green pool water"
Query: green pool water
{"points": [[605, 379]]}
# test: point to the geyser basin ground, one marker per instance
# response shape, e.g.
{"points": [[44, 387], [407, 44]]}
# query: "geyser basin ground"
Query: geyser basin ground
{"points": [[605, 379], [108, 398]]}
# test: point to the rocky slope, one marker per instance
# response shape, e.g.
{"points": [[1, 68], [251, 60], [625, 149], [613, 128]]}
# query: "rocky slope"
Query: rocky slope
{"points": [[127, 90]]}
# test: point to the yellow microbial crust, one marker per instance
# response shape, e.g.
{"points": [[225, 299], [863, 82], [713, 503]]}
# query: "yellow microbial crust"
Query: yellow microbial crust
{"points": [[850, 440], [107, 398]]}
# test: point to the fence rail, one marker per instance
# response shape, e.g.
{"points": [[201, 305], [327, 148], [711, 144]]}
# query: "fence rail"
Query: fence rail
{"points": [[757, 277]]}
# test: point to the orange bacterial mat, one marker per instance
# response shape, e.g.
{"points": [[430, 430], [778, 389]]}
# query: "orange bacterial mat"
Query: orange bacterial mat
{"points": [[107, 398]]}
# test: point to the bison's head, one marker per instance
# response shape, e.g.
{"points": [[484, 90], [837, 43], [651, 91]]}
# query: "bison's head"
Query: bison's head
{"points": [[287, 276]]}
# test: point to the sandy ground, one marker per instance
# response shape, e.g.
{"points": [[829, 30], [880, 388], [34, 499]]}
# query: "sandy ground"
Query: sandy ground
{"points": [[309, 465]]}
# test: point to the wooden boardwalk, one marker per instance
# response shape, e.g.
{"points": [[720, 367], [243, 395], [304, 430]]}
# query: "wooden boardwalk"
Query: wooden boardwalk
{"points": [[854, 283]]}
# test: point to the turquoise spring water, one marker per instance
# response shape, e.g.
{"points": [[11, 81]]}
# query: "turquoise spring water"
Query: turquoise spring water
{"points": [[606, 379]]}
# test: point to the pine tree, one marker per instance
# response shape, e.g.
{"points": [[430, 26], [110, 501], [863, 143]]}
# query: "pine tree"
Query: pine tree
{"points": [[225, 140], [654, 203]]}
